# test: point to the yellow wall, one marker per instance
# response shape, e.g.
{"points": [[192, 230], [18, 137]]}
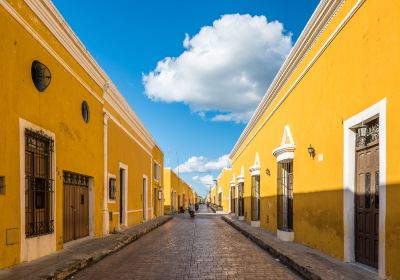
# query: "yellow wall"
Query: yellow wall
{"points": [[158, 157], [123, 149], [58, 109], [79, 146], [173, 183], [357, 70], [224, 182]]}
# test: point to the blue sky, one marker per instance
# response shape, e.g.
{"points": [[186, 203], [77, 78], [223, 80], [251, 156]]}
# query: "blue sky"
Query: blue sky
{"points": [[216, 84]]}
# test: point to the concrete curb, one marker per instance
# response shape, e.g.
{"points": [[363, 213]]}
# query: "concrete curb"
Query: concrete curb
{"points": [[122, 241], [287, 260]]}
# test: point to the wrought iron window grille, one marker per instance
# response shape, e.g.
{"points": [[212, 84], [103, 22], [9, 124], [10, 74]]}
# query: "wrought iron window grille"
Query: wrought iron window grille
{"points": [[39, 184]]}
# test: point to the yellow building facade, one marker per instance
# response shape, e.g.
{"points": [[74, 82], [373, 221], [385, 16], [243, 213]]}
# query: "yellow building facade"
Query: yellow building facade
{"points": [[76, 160], [177, 192], [224, 197], [318, 162]]}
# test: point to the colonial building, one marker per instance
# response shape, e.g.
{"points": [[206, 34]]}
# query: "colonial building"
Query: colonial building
{"points": [[177, 192], [75, 159], [318, 162]]}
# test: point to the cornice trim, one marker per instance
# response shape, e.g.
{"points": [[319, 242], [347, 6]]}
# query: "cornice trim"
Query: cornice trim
{"points": [[53, 20], [118, 123], [47, 47], [318, 22]]}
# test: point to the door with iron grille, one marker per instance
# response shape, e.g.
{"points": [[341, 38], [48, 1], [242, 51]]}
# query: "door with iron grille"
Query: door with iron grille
{"points": [[367, 197], [255, 198], [76, 206], [241, 199]]}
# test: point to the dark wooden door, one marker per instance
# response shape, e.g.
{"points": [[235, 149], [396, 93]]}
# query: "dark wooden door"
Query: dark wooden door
{"points": [[367, 204], [121, 194], [76, 206]]}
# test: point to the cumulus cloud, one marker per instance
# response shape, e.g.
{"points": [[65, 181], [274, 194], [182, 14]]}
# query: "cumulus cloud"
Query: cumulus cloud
{"points": [[202, 164], [225, 69], [204, 180]]}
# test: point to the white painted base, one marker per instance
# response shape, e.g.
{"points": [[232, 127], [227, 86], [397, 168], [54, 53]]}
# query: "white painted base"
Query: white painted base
{"points": [[287, 236], [255, 223], [38, 247], [220, 212], [241, 218]]}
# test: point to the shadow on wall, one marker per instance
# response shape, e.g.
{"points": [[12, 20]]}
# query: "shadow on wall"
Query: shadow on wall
{"points": [[318, 221]]}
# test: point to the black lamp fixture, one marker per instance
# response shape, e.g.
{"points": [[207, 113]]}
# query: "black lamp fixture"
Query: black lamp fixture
{"points": [[267, 172], [311, 151], [41, 75]]}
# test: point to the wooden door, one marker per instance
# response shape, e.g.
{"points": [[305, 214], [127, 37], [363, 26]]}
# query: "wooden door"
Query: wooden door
{"points": [[367, 204], [76, 206]]}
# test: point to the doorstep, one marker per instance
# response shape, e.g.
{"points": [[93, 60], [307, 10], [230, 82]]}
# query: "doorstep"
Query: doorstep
{"points": [[307, 262], [79, 254]]}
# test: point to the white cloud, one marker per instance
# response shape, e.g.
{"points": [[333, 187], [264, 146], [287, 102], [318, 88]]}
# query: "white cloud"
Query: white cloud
{"points": [[225, 68], [202, 164], [204, 180]]}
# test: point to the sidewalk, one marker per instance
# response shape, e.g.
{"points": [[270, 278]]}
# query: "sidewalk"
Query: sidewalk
{"points": [[309, 263], [79, 254]]}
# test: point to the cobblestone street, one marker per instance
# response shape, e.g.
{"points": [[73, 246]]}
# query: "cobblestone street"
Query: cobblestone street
{"points": [[203, 248]]}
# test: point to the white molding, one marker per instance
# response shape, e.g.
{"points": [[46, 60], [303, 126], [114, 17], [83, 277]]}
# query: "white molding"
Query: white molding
{"points": [[322, 17], [287, 236], [91, 206], [285, 152], [125, 194], [118, 123], [144, 197], [378, 109], [52, 19], [118, 103], [35, 247], [240, 178], [47, 47], [255, 223], [105, 215], [255, 169], [241, 218], [135, 211]]}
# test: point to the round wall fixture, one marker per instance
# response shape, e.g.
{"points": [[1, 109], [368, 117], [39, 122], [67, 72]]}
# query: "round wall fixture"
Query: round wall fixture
{"points": [[85, 112], [41, 75]]}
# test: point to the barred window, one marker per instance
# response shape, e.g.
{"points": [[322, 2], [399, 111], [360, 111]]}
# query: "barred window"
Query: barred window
{"points": [[38, 184], [157, 171], [285, 196], [112, 188], [255, 198]]}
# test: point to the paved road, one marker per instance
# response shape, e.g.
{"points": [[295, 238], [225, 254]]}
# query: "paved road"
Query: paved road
{"points": [[203, 248]]}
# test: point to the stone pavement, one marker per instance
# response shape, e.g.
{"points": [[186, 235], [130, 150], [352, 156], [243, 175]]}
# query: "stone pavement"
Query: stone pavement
{"points": [[185, 248], [309, 263], [79, 254]]}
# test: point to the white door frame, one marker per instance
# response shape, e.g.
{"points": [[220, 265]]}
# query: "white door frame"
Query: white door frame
{"points": [[144, 197], [36, 247], [124, 167], [378, 109]]}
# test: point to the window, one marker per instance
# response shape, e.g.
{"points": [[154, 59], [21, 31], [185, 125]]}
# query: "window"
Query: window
{"points": [[285, 196], [2, 185], [112, 188], [85, 112], [255, 198], [157, 171], [38, 184]]}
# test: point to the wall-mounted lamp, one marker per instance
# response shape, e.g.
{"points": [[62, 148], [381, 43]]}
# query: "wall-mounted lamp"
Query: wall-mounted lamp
{"points": [[311, 151], [267, 172]]}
